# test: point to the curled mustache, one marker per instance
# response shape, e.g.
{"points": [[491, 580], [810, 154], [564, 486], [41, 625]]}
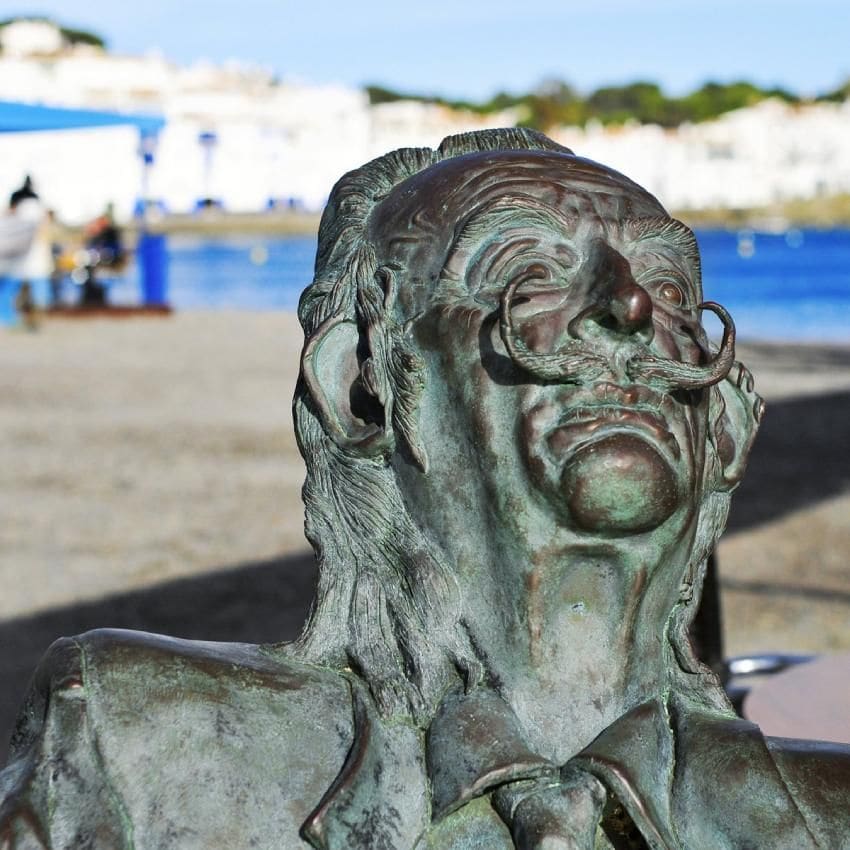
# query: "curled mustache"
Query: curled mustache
{"points": [[576, 362], [675, 375]]}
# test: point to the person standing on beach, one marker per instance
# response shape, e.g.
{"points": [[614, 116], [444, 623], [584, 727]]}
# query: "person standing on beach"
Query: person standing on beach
{"points": [[36, 263]]}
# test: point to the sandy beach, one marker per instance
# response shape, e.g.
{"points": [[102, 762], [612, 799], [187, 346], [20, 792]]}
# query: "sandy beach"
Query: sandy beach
{"points": [[151, 480], [144, 450]]}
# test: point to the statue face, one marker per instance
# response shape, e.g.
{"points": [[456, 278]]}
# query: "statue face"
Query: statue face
{"points": [[596, 269], [526, 375], [544, 405]]}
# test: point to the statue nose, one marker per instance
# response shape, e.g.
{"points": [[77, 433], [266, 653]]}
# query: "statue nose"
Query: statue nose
{"points": [[618, 302], [631, 305]]}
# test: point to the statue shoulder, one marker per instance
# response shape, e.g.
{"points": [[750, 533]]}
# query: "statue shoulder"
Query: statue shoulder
{"points": [[181, 740], [786, 793], [817, 773], [725, 784]]}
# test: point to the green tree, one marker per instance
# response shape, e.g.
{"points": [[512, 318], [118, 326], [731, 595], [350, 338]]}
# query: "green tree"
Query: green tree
{"points": [[838, 95]]}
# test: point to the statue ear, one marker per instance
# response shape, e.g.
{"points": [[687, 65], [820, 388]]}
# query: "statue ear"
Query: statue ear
{"points": [[736, 411], [345, 392]]}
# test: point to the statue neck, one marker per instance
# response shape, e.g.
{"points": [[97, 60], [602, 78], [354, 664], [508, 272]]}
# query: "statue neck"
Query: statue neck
{"points": [[573, 644]]}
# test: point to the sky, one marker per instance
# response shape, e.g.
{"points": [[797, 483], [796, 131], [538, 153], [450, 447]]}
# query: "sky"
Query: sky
{"points": [[473, 48]]}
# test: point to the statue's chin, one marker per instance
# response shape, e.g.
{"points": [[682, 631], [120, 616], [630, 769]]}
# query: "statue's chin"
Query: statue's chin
{"points": [[619, 484]]}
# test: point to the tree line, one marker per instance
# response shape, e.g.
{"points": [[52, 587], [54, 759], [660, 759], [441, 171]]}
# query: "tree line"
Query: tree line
{"points": [[556, 103]]}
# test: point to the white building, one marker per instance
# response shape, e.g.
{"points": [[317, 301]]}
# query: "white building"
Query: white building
{"points": [[267, 141], [750, 157], [30, 38]]}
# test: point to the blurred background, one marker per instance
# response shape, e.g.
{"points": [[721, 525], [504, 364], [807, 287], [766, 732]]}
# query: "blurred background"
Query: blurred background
{"points": [[162, 170]]}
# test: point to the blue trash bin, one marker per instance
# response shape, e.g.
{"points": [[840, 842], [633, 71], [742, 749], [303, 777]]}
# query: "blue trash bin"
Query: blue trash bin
{"points": [[152, 255], [8, 288]]}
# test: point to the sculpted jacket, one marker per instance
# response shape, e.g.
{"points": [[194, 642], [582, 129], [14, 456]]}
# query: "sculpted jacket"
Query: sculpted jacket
{"points": [[129, 740]]}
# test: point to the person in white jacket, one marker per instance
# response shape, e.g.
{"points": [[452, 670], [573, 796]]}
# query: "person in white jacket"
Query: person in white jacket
{"points": [[24, 246]]}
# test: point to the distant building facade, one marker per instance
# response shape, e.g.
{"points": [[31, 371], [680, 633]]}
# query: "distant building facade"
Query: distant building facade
{"points": [[238, 138]]}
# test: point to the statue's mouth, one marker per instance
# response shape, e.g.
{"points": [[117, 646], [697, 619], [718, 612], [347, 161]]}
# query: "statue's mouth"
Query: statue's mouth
{"points": [[587, 424], [608, 409], [617, 458]]}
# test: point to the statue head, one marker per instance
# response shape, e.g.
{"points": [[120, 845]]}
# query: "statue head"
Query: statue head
{"points": [[520, 443]]}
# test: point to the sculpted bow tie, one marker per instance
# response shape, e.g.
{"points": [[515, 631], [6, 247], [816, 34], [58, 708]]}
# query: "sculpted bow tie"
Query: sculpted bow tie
{"points": [[475, 746]]}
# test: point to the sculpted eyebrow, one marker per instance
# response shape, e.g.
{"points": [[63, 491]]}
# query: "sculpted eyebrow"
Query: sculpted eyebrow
{"points": [[669, 229], [676, 234], [482, 236], [470, 266]]}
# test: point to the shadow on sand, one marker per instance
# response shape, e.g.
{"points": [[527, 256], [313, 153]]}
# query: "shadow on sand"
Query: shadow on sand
{"points": [[800, 459], [258, 602]]}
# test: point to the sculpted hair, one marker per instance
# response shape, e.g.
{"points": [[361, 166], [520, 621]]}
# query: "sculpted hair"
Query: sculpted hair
{"points": [[387, 604], [688, 674]]}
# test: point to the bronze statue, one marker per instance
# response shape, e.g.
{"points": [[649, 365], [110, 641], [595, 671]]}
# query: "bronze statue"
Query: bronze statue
{"points": [[520, 450]]}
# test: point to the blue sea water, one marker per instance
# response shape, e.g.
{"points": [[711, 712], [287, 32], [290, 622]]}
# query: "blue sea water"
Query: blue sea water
{"points": [[233, 272], [793, 285]]}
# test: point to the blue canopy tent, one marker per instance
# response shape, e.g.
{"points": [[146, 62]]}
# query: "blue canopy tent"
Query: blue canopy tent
{"points": [[31, 117]]}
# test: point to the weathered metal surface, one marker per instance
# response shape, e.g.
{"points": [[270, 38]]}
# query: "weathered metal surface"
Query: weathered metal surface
{"points": [[520, 450]]}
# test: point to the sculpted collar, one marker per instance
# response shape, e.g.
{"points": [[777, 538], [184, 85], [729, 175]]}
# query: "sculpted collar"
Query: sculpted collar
{"points": [[398, 783], [472, 747]]}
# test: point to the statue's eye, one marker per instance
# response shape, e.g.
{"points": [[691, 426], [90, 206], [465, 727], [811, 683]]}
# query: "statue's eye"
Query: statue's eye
{"points": [[671, 293]]}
